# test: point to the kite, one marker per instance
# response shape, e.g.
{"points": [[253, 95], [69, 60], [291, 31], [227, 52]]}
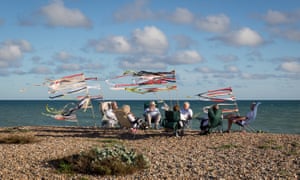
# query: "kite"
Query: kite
{"points": [[220, 96], [143, 82], [68, 112], [71, 85], [147, 90], [217, 95], [67, 85]]}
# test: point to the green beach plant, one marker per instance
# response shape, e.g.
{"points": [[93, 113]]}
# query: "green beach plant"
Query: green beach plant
{"points": [[111, 160], [225, 146], [292, 148], [269, 144], [15, 129], [17, 139]]}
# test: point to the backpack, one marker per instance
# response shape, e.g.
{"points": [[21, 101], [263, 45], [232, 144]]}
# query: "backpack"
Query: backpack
{"points": [[204, 124]]}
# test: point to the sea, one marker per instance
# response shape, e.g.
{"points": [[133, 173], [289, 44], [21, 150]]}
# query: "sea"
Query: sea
{"points": [[273, 116]]}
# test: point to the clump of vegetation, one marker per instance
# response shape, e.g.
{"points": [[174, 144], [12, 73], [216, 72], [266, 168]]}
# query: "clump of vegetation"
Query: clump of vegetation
{"points": [[16, 129], [292, 148], [17, 139], [269, 144], [110, 142], [225, 146], [112, 160]]}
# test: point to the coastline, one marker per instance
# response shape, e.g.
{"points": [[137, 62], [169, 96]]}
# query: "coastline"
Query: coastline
{"points": [[215, 156]]}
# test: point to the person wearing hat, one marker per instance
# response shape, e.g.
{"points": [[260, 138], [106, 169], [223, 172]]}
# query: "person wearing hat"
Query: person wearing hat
{"points": [[242, 120], [152, 114]]}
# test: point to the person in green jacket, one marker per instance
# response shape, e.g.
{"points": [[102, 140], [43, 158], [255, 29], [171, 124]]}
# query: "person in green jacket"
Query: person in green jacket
{"points": [[214, 116]]}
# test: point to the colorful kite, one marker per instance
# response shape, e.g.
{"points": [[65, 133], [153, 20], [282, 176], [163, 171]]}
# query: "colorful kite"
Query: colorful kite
{"points": [[143, 81], [67, 85], [220, 96], [68, 112], [70, 85]]}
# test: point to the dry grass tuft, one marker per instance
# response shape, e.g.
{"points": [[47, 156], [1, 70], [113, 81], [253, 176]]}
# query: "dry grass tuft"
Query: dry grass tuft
{"points": [[18, 139]]}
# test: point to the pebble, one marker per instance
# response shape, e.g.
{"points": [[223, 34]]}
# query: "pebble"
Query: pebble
{"points": [[228, 156]]}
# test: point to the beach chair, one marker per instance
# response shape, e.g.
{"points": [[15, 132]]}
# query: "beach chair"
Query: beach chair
{"points": [[125, 123], [171, 121], [245, 125], [206, 129], [106, 121], [146, 105], [123, 120]]}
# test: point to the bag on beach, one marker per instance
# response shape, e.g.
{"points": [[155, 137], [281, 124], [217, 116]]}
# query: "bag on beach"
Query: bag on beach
{"points": [[204, 124]]}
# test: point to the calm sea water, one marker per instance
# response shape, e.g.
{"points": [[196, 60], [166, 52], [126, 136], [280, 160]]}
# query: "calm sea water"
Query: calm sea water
{"points": [[273, 116]]}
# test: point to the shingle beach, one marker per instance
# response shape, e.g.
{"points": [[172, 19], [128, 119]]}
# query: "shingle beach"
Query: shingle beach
{"points": [[215, 156]]}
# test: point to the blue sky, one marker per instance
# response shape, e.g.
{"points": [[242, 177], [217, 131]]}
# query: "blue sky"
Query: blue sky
{"points": [[252, 47]]}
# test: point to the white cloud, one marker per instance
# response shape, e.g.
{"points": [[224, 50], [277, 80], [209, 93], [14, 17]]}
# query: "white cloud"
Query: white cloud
{"points": [[290, 66], [292, 34], [184, 41], [63, 56], [249, 76], [242, 37], [150, 40], [41, 70], [139, 11], [113, 44], [57, 14], [68, 67], [205, 69], [24, 45], [275, 17], [93, 66], [217, 23], [182, 16], [229, 72], [227, 58], [134, 11], [284, 24], [185, 57], [231, 69], [141, 63], [11, 52]]}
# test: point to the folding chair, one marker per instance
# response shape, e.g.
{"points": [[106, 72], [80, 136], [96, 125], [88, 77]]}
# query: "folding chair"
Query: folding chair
{"points": [[171, 121], [245, 125]]}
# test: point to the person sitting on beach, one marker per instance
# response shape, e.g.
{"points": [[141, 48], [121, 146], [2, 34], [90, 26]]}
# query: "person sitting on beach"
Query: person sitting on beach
{"points": [[214, 119], [242, 120], [176, 107], [111, 119], [152, 113], [135, 121], [186, 114]]}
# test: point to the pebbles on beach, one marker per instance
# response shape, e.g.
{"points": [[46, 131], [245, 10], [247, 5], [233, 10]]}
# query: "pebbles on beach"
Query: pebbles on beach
{"points": [[221, 156]]}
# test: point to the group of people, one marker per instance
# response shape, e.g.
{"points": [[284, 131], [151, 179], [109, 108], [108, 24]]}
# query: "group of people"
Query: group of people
{"points": [[215, 118], [153, 115]]}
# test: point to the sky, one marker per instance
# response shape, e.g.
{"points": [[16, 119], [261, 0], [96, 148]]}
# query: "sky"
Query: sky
{"points": [[253, 47]]}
